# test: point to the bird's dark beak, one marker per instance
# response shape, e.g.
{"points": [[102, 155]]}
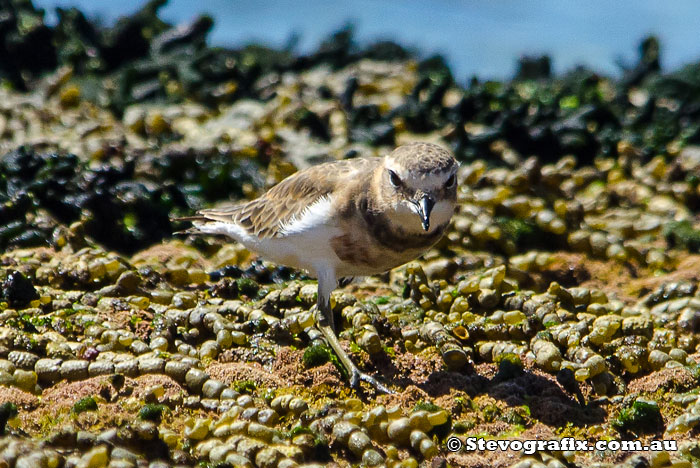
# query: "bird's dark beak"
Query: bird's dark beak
{"points": [[425, 206]]}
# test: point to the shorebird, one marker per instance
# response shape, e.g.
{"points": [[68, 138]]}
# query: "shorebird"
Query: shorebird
{"points": [[347, 218]]}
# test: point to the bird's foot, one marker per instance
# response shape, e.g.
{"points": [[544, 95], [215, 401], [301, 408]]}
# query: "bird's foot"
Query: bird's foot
{"points": [[358, 376], [324, 322]]}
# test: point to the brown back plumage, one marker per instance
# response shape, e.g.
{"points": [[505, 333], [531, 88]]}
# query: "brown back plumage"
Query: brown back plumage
{"points": [[265, 216]]}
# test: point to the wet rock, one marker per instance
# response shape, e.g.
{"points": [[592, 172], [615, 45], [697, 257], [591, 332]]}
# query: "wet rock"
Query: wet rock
{"points": [[17, 290]]}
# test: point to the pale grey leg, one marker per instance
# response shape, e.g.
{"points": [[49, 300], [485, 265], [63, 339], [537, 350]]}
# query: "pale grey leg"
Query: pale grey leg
{"points": [[324, 321]]}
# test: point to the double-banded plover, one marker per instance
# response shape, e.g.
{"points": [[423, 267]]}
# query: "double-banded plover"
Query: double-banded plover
{"points": [[347, 218]]}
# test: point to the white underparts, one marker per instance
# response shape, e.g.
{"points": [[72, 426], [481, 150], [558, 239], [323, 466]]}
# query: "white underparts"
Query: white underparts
{"points": [[228, 229], [315, 215], [304, 241]]}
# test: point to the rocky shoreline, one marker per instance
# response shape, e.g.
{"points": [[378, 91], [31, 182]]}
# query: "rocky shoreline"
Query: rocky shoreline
{"points": [[563, 302]]}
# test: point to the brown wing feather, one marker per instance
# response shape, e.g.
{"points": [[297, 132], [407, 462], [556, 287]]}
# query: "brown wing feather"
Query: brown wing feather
{"points": [[265, 215]]}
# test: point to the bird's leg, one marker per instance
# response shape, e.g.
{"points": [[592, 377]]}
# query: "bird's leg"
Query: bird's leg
{"points": [[324, 321]]}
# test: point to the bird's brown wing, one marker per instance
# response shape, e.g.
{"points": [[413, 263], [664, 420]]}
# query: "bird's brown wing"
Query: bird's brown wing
{"points": [[265, 216]]}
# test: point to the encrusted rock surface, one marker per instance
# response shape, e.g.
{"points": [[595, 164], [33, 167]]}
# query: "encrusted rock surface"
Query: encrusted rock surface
{"points": [[564, 300]]}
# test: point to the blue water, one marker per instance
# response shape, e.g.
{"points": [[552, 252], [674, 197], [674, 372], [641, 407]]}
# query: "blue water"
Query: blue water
{"points": [[481, 38]]}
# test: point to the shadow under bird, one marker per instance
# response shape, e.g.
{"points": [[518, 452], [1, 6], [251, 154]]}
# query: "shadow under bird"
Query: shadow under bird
{"points": [[347, 218]]}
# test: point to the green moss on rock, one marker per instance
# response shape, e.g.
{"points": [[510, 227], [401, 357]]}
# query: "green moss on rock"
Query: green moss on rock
{"points": [[152, 412], [644, 416], [8, 410], [85, 404], [682, 235]]}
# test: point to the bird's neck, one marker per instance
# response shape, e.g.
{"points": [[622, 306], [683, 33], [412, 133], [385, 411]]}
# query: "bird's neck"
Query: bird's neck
{"points": [[390, 231]]}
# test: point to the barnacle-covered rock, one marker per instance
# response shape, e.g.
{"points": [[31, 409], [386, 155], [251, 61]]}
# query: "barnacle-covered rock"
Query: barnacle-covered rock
{"points": [[553, 273]]}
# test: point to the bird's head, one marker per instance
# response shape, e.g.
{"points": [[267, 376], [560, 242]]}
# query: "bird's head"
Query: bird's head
{"points": [[419, 181]]}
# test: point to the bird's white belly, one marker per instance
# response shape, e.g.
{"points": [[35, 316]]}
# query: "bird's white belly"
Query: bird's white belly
{"points": [[304, 241], [307, 250], [314, 250]]}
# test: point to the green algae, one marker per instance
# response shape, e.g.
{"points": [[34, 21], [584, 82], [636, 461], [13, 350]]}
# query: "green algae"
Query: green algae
{"points": [[8, 410], [85, 404], [644, 416]]}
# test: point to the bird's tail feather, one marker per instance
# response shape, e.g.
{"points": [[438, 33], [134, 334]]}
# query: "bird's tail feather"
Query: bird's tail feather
{"points": [[189, 231], [190, 218]]}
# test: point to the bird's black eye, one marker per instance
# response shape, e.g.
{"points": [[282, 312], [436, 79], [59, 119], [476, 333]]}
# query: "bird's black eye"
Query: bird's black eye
{"points": [[394, 179], [451, 181]]}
